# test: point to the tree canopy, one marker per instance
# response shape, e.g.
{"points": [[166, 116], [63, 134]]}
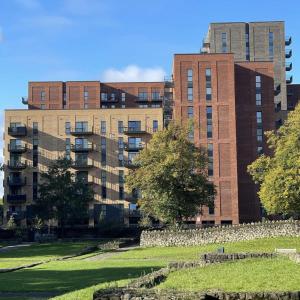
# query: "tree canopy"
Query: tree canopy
{"points": [[279, 174], [62, 196], [172, 176]]}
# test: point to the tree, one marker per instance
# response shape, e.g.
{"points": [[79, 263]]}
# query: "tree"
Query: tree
{"points": [[172, 176], [279, 174], [62, 196]]}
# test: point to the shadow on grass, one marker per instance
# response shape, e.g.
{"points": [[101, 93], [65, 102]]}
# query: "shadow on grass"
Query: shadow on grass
{"points": [[47, 250], [62, 281]]}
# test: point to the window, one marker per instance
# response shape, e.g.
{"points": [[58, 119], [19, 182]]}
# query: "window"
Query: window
{"points": [[120, 143], [43, 95], [224, 42], [85, 106], [143, 94], [190, 94], [103, 192], [209, 121], [211, 210], [86, 95], [121, 177], [121, 151], [143, 105], [121, 192], [191, 133], [123, 106], [35, 127], [103, 150], [190, 112], [103, 127], [68, 148], [112, 97], [67, 127], [81, 126], [208, 84], [104, 97], [134, 125], [247, 46], [103, 177], [155, 94], [120, 127], [134, 143], [271, 45], [43, 106], [258, 90], [155, 125], [259, 130], [260, 150], [190, 75], [210, 153], [123, 97]]}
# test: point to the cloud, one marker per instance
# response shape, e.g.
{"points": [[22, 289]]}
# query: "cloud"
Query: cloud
{"points": [[29, 4], [134, 73], [48, 21], [1, 35]]}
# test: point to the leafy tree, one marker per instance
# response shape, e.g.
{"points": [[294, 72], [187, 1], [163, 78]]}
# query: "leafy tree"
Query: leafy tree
{"points": [[61, 195], [172, 176], [279, 174]]}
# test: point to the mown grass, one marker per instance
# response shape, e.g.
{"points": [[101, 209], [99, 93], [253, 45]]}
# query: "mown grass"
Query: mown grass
{"points": [[39, 252], [279, 274], [78, 279]]}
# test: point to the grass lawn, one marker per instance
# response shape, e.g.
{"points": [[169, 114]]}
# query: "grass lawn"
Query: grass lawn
{"points": [[38, 252], [280, 274], [78, 279]]}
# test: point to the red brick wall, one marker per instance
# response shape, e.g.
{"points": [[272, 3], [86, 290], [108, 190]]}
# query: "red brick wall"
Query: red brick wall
{"points": [[224, 130], [246, 108]]}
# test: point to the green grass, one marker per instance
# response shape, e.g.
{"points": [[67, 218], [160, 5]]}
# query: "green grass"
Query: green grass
{"points": [[192, 253], [77, 278], [39, 252], [280, 274]]}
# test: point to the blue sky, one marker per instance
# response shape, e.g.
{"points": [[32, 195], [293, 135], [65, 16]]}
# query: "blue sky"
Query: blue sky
{"points": [[115, 39]]}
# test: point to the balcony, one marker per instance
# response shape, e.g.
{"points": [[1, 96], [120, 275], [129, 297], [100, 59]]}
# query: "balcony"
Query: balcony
{"points": [[288, 53], [129, 164], [16, 165], [17, 131], [288, 40], [82, 131], [17, 148], [16, 181], [82, 147], [15, 199], [82, 164], [17, 215], [289, 80], [288, 66], [134, 130], [132, 147]]}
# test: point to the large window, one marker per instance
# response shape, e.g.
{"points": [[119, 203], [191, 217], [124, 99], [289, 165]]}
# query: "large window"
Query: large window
{"points": [[155, 125], [155, 94], [258, 90], [103, 127], [190, 75], [43, 95], [190, 112], [190, 94], [271, 45], [143, 94], [209, 121], [134, 125], [259, 130], [224, 42], [104, 97], [208, 84], [210, 155], [81, 126]]}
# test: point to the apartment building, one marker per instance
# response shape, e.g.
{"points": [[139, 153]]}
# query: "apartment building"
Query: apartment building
{"points": [[228, 90], [259, 42]]}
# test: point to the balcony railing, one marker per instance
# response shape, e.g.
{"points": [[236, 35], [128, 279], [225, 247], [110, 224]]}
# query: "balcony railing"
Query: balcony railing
{"points": [[82, 131], [288, 66], [133, 146], [17, 215], [288, 40], [20, 198], [289, 80], [288, 53], [16, 181], [134, 130], [129, 164], [16, 165], [17, 131], [13, 148], [82, 164], [82, 147]]}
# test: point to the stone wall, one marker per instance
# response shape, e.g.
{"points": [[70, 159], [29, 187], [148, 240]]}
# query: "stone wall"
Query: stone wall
{"points": [[144, 294], [222, 234]]}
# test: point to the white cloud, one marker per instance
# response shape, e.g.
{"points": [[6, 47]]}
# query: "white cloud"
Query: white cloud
{"points": [[1, 35], [29, 4], [134, 73]]}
